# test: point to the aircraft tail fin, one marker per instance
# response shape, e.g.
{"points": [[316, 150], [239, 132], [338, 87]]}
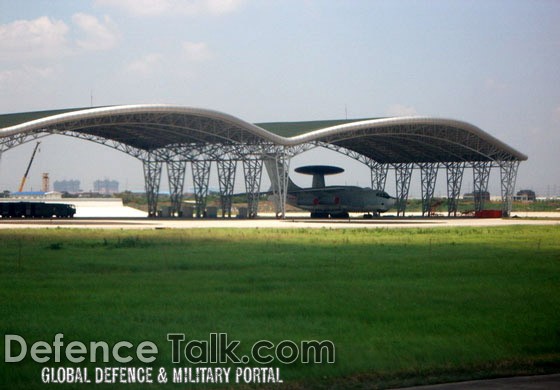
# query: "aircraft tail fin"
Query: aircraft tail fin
{"points": [[292, 187], [274, 170]]}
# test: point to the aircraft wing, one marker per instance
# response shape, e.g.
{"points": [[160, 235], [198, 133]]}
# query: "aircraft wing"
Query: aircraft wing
{"points": [[299, 191], [323, 189]]}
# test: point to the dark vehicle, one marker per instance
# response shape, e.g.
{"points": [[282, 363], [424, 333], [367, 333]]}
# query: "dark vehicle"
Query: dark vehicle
{"points": [[36, 210]]}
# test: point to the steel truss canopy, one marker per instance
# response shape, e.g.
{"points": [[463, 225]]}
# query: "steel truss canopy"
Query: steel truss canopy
{"points": [[165, 133]]}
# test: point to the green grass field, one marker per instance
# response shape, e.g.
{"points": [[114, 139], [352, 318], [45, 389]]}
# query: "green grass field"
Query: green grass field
{"points": [[402, 307]]}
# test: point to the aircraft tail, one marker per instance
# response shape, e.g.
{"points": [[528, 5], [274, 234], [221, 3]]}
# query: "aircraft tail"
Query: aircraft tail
{"points": [[274, 170], [292, 187]]}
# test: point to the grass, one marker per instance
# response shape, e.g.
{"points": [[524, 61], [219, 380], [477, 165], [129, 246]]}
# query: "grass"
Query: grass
{"points": [[402, 307]]}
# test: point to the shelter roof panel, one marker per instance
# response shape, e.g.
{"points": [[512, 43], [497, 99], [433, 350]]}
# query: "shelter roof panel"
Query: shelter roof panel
{"points": [[8, 120], [149, 126], [414, 139], [290, 129], [386, 140]]}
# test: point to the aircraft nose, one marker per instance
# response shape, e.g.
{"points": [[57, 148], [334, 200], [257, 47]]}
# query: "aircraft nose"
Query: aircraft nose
{"points": [[389, 203]]}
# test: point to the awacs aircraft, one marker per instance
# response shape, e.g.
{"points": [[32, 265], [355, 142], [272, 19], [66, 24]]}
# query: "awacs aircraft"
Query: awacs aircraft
{"points": [[333, 201]]}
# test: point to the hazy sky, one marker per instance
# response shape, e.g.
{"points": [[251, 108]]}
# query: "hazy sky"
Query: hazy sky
{"points": [[495, 64]]}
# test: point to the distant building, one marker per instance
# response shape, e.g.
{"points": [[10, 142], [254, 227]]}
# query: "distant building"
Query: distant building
{"points": [[70, 186], [106, 187], [482, 195], [35, 195], [46, 183], [525, 196]]}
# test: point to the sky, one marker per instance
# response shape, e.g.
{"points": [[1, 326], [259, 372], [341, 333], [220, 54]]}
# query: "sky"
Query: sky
{"points": [[494, 64]]}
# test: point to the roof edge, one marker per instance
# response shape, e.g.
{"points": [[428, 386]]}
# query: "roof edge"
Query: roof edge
{"points": [[89, 113], [315, 135], [398, 121]]}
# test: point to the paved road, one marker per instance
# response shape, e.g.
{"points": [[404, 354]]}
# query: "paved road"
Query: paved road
{"points": [[296, 222], [539, 382]]}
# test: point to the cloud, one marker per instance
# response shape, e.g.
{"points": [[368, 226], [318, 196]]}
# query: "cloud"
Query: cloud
{"points": [[24, 77], [401, 110], [154, 62], [495, 85], [45, 38], [146, 65], [138, 7], [196, 51], [223, 6], [556, 114], [97, 35], [32, 39], [173, 7]]}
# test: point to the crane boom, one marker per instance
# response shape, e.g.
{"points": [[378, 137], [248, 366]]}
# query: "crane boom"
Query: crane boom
{"points": [[24, 178]]}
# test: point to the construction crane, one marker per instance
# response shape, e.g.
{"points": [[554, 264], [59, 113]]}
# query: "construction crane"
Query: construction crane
{"points": [[24, 178]]}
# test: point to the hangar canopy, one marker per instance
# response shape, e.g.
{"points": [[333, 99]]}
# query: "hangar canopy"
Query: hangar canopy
{"points": [[176, 135]]}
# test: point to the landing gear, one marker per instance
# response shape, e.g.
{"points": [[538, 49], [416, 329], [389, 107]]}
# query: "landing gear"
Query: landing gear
{"points": [[317, 215], [342, 215]]}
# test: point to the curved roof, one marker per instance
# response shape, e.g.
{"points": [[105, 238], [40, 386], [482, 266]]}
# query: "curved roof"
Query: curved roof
{"points": [[415, 140], [385, 140]]}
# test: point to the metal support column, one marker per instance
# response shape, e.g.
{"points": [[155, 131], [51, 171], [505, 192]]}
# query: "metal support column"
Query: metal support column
{"points": [[1, 151], [280, 181], [403, 173], [508, 176], [379, 176], [252, 168], [176, 175], [201, 175], [226, 178], [481, 174], [428, 175], [152, 177], [454, 180]]}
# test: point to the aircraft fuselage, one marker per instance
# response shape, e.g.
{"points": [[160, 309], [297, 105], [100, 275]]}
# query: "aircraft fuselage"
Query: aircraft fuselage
{"points": [[341, 199], [329, 201]]}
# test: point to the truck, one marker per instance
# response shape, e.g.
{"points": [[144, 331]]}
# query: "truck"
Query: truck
{"points": [[36, 210]]}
